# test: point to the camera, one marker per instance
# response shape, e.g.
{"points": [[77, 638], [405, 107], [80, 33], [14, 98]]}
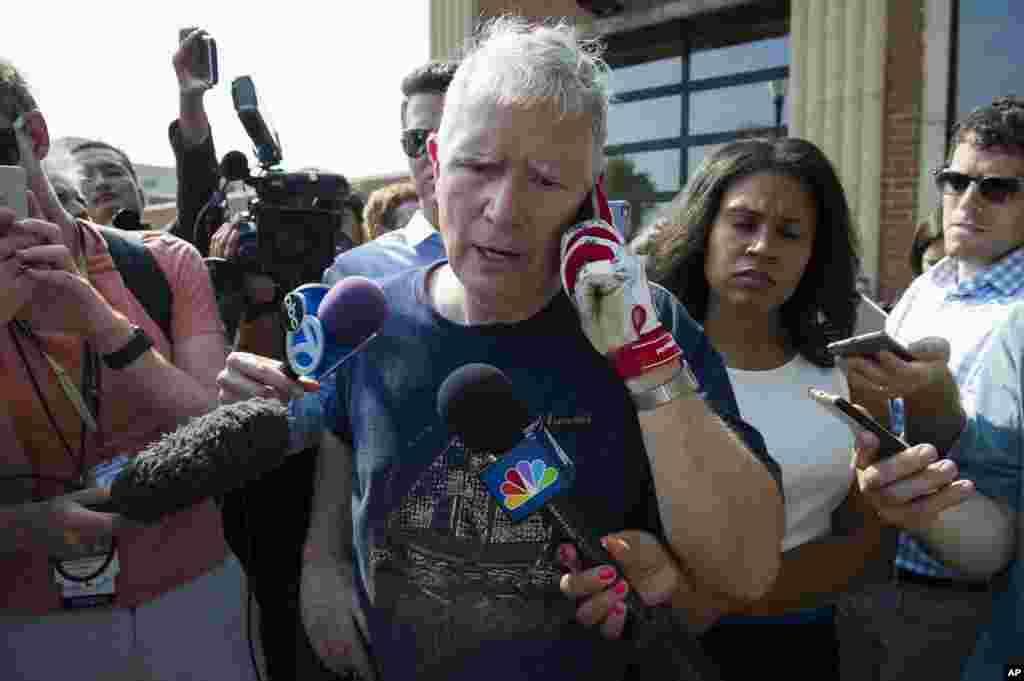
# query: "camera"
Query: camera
{"points": [[291, 230]]}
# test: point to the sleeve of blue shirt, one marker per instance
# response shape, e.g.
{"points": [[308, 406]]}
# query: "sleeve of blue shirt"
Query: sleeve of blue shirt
{"points": [[709, 368], [990, 450], [991, 453]]}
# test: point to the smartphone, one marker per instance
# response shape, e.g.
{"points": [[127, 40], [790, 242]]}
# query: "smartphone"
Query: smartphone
{"points": [[869, 344], [620, 216], [889, 442], [204, 56], [13, 183]]}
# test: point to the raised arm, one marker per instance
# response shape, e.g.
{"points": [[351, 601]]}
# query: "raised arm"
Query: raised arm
{"points": [[192, 142], [719, 504]]}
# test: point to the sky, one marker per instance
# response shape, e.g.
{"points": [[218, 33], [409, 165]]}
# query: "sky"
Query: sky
{"points": [[328, 77]]}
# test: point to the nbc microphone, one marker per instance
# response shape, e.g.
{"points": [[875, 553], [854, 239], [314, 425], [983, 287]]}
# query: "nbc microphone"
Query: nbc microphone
{"points": [[328, 325], [528, 471]]}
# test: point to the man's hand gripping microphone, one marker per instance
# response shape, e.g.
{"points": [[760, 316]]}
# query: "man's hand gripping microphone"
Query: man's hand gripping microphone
{"points": [[609, 287]]}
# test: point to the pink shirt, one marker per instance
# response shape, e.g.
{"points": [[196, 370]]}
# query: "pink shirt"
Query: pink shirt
{"points": [[154, 559]]}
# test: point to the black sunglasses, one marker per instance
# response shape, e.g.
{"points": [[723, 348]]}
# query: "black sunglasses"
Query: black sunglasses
{"points": [[994, 188], [414, 141], [9, 155]]}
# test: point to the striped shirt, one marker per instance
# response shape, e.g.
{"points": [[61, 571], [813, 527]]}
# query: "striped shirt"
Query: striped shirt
{"points": [[965, 313]]}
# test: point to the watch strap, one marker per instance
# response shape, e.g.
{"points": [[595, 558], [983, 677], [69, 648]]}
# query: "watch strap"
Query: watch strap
{"points": [[682, 384], [140, 342]]}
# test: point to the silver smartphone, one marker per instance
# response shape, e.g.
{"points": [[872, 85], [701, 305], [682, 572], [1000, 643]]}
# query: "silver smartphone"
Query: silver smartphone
{"points": [[621, 216], [13, 183], [889, 442], [869, 344]]}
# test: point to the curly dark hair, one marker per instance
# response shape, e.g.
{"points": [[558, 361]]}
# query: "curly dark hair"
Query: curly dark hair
{"points": [[823, 307], [999, 124], [434, 77]]}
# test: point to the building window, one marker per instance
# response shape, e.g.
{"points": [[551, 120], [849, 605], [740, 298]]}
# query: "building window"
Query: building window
{"points": [[989, 58], [681, 90]]}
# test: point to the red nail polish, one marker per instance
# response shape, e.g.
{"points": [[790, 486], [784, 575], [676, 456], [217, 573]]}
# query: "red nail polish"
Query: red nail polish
{"points": [[606, 574], [620, 588]]}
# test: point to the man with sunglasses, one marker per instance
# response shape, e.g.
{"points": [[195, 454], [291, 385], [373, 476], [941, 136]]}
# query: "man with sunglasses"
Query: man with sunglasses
{"points": [[929, 616], [418, 243]]}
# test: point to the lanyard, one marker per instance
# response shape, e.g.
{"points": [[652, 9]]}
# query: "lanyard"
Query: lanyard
{"points": [[71, 391], [90, 375]]}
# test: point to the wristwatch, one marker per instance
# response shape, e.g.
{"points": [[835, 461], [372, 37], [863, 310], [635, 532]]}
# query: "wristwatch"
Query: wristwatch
{"points": [[683, 383], [130, 351]]}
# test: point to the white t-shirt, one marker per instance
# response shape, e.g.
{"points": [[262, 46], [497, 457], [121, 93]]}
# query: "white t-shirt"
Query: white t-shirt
{"points": [[813, 448]]}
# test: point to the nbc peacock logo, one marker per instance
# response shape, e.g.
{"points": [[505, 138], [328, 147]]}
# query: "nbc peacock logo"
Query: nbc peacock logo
{"points": [[526, 480]]}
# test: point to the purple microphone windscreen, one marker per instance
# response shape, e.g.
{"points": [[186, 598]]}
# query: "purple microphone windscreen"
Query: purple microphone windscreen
{"points": [[353, 310], [477, 403], [209, 456]]}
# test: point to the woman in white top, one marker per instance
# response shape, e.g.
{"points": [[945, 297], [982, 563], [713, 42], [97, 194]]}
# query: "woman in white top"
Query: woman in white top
{"points": [[761, 249]]}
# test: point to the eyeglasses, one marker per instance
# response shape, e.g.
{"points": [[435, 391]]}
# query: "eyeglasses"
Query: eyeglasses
{"points": [[9, 154], [414, 141], [994, 188]]}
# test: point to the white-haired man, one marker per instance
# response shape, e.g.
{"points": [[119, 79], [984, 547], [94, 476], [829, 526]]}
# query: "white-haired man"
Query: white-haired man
{"points": [[444, 585]]}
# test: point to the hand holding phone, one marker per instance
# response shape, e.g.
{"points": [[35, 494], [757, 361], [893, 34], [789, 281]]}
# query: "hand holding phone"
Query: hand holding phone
{"points": [[889, 443], [197, 58], [869, 344]]}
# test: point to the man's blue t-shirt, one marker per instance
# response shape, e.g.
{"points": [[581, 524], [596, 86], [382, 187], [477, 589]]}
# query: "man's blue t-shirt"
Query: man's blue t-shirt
{"points": [[451, 588]]}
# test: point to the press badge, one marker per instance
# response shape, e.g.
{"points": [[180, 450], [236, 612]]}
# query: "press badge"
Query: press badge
{"points": [[87, 578]]}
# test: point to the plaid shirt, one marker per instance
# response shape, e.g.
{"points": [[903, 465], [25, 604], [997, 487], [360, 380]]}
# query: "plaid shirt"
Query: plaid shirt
{"points": [[965, 313]]}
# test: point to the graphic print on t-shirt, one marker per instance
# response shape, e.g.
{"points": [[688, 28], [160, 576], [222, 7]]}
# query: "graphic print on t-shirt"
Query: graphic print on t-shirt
{"points": [[452, 569]]}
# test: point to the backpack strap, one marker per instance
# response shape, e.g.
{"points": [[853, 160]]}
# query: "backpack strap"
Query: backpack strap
{"points": [[142, 275]]}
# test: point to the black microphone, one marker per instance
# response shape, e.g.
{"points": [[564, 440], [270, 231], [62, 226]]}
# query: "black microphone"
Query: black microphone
{"points": [[234, 166], [528, 472], [477, 403], [128, 219], [209, 456]]}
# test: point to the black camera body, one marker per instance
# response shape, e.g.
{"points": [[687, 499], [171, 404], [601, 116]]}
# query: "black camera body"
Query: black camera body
{"points": [[290, 230]]}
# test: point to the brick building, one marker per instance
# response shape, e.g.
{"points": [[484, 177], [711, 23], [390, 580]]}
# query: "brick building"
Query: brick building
{"points": [[875, 83]]}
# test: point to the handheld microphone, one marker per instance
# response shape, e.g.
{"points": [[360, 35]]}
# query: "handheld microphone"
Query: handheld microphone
{"points": [[477, 403], [328, 325], [127, 219], [234, 166], [210, 455]]}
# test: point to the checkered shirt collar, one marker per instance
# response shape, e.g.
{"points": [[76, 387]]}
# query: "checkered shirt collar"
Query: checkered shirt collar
{"points": [[1005, 277]]}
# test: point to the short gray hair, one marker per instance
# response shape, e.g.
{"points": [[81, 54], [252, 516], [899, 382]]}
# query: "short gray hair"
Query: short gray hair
{"points": [[511, 61]]}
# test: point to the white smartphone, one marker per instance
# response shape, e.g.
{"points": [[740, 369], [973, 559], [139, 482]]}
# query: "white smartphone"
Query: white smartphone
{"points": [[13, 184]]}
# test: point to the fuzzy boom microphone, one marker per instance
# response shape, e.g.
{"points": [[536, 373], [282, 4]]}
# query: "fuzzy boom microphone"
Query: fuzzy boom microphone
{"points": [[209, 456]]}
